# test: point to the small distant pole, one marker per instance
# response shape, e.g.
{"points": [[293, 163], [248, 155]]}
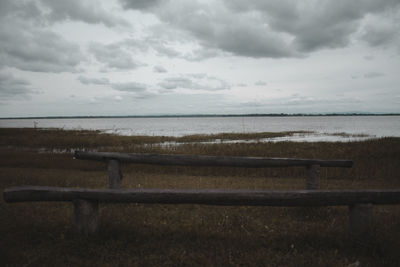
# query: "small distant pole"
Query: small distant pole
{"points": [[35, 123]]}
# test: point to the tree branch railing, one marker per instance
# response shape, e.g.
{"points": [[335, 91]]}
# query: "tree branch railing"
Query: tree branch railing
{"points": [[312, 165], [86, 201]]}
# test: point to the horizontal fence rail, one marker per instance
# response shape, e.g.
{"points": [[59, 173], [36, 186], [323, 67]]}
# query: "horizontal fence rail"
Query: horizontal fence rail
{"points": [[86, 200], [205, 196], [195, 160]]}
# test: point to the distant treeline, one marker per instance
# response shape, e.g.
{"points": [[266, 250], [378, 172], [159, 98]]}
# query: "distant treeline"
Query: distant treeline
{"points": [[210, 115]]}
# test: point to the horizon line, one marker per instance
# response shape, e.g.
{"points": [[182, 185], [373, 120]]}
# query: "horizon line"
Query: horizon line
{"points": [[208, 115]]}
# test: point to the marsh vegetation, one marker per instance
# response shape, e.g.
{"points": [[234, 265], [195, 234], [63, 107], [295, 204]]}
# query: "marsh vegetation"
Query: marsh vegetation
{"points": [[42, 234]]}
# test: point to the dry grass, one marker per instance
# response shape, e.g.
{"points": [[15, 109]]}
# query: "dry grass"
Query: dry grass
{"points": [[42, 234]]}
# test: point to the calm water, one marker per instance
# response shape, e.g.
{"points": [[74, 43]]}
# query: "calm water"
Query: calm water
{"points": [[322, 126]]}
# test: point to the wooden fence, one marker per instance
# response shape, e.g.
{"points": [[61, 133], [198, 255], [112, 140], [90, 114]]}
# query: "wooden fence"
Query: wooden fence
{"points": [[115, 176], [86, 200]]}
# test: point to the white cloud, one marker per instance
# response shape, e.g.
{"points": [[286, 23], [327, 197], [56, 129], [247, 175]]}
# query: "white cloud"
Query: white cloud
{"points": [[114, 57], [129, 87], [134, 89], [196, 81], [97, 81], [159, 69], [373, 74], [260, 83]]}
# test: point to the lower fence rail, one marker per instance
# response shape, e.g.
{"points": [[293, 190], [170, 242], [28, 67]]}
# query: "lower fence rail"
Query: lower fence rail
{"points": [[206, 196], [86, 201]]}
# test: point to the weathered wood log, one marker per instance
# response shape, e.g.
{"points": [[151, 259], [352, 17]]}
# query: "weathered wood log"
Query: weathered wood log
{"points": [[114, 174], [86, 216], [206, 196], [312, 179], [195, 160]]}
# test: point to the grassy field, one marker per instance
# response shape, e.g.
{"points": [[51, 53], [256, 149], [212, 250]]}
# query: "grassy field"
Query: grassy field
{"points": [[42, 234]]}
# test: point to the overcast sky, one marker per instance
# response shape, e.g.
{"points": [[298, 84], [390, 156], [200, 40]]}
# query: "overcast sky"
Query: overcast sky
{"points": [[149, 57]]}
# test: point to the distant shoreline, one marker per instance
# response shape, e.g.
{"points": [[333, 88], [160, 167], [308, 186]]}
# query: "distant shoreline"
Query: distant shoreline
{"points": [[208, 116]]}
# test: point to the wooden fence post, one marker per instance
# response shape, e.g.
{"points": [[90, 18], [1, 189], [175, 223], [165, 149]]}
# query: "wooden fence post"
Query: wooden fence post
{"points": [[312, 179], [360, 220], [114, 174], [86, 216]]}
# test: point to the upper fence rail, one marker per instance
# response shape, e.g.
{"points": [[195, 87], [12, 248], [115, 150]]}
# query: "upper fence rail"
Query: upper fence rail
{"points": [[196, 160]]}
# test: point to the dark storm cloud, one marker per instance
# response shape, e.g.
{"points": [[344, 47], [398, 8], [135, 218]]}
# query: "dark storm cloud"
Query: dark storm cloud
{"points": [[86, 11], [140, 4], [29, 48], [277, 28], [315, 24], [382, 35], [23, 9], [27, 43], [215, 28], [235, 39], [11, 87], [50, 11], [114, 56]]}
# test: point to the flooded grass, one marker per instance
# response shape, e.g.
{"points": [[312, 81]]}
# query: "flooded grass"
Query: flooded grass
{"points": [[58, 138], [67, 141], [42, 234]]}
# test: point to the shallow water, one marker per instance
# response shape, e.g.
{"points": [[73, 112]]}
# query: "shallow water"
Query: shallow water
{"points": [[323, 128]]}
